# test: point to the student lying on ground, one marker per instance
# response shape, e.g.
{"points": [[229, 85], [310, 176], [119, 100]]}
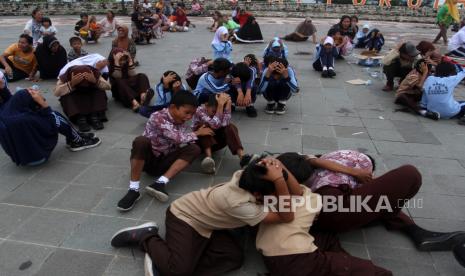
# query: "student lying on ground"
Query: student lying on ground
{"points": [[29, 128], [350, 174], [249, 32], [292, 249], [438, 94], [166, 147], [197, 241], [170, 83], [216, 115], [214, 82], [244, 92], [277, 85]]}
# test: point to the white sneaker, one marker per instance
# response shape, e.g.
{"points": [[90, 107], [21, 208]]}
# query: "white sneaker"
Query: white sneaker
{"points": [[148, 266], [208, 165]]}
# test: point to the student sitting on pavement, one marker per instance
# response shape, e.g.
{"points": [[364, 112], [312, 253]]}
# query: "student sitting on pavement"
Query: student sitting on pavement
{"points": [[244, 93], [277, 85], [410, 89], [325, 56], [216, 115], [166, 147], [170, 83], [214, 82], [197, 240], [438, 94]]}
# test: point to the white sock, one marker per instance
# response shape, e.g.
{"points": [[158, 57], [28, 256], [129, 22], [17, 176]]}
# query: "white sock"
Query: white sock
{"points": [[331, 68], [134, 185], [325, 68], [163, 179], [422, 112]]}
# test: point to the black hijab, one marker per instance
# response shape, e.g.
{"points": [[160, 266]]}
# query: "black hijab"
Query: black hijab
{"points": [[50, 63], [250, 32]]}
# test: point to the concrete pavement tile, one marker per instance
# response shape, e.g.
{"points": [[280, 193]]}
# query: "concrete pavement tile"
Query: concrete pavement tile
{"points": [[95, 232], [60, 171], [122, 266], [385, 135], [322, 143], [18, 259], [105, 176], [48, 227], [11, 217], [82, 264], [34, 193], [78, 198], [351, 132]]}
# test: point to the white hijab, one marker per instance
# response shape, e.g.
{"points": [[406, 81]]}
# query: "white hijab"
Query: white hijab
{"points": [[219, 33], [90, 60]]}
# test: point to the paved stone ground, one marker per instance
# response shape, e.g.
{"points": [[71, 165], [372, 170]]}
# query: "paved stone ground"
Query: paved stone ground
{"points": [[57, 219]]}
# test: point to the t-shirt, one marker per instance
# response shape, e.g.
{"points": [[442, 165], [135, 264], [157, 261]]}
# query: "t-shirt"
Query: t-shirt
{"points": [[26, 62], [348, 158], [457, 40], [409, 84], [279, 239], [438, 95], [224, 206]]}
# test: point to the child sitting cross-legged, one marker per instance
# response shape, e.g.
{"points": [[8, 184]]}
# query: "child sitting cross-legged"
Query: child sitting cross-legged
{"points": [[216, 115]]}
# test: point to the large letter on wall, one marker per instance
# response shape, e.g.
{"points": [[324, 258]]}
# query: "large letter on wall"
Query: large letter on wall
{"points": [[361, 3], [385, 2], [412, 6]]}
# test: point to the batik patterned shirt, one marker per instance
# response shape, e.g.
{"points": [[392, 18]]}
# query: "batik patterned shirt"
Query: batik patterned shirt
{"points": [[348, 158], [201, 117], [165, 134]]}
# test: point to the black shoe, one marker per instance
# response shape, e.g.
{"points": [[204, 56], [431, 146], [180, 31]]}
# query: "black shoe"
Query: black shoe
{"points": [[462, 121], [102, 117], [324, 74], [432, 115], [128, 201], [132, 236], [281, 109], [251, 111], [435, 241], [96, 123], [247, 159], [331, 73], [233, 108], [459, 253], [85, 143], [82, 124], [157, 190], [88, 135], [269, 108]]}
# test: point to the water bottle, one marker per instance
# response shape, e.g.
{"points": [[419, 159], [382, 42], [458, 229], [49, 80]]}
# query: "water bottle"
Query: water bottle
{"points": [[35, 87], [368, 82]]}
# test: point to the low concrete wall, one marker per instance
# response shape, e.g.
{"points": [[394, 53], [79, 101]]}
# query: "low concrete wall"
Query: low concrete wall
{"points": [[367, 12]]}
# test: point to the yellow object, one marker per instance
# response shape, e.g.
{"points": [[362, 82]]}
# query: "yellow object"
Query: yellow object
{"points": [[84, 33], [453, 11], [25, 62]]}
